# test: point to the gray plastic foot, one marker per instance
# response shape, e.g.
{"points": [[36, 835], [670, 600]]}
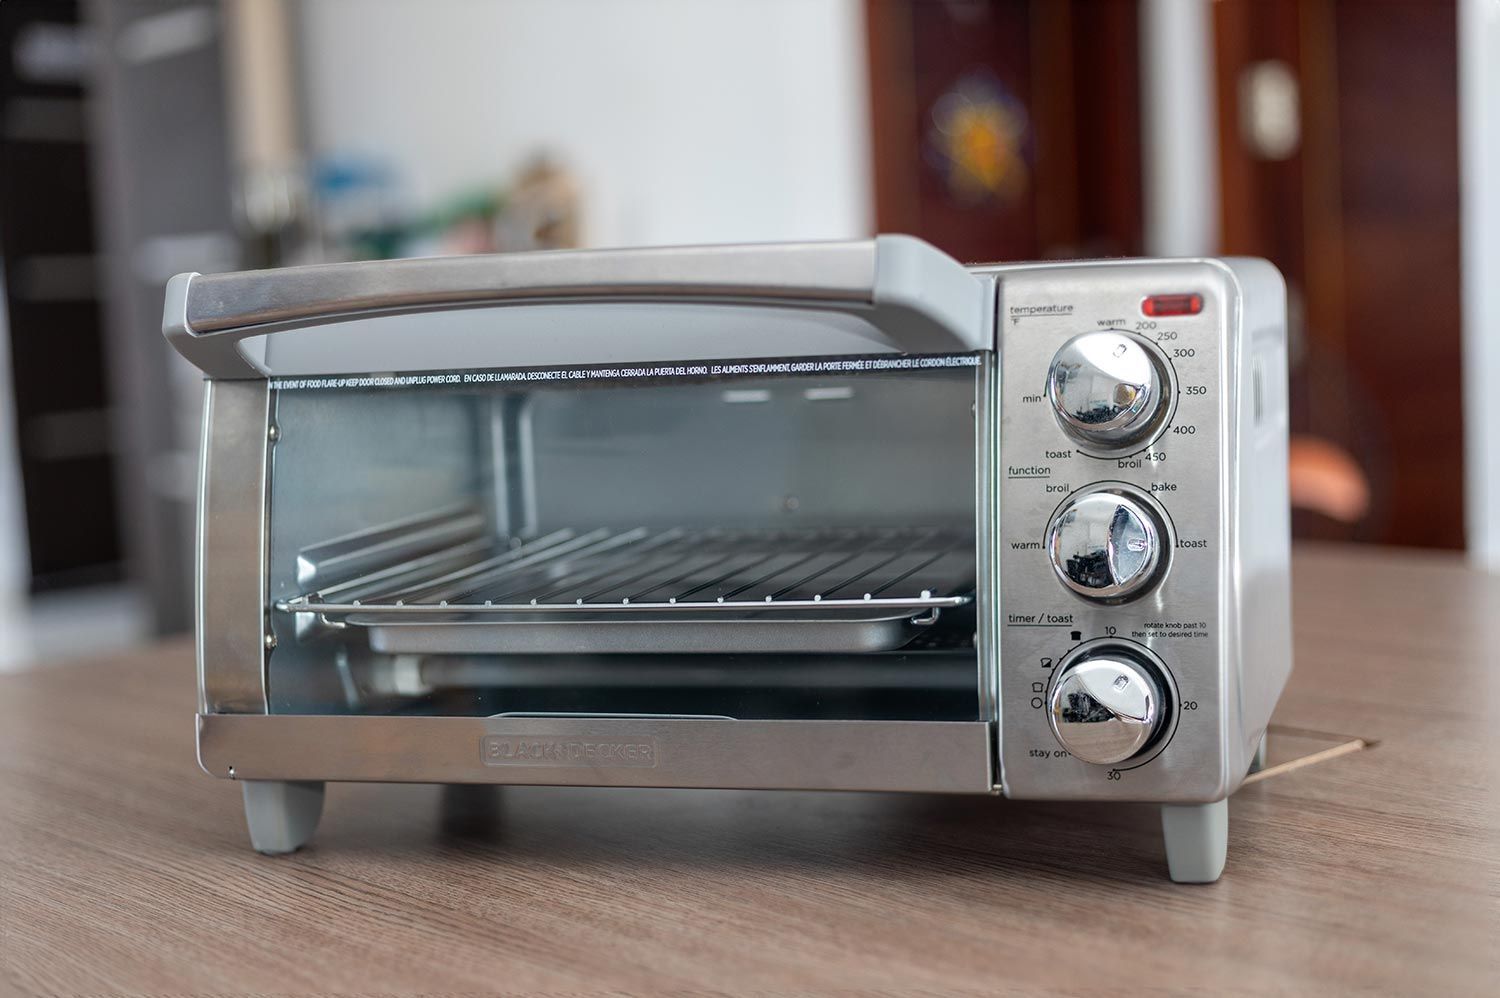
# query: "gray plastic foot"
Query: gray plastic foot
{"points": [[1258, 760], [1197, 838], [282, 816]]}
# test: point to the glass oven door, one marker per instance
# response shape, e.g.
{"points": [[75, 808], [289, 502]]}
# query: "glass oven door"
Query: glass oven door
{"points": [[778, 540]]}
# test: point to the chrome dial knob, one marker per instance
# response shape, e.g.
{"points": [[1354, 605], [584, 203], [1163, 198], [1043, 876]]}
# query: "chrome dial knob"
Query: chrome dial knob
{"points": [[1107, 706], [1109, 389], [1107, 544]]}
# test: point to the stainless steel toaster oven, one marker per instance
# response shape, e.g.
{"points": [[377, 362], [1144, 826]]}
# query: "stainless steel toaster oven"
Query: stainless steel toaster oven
{"points": [[835, 516]]}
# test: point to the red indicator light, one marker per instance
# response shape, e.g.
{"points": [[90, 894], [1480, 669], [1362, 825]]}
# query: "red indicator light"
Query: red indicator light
{"points": [[1159, 305]]}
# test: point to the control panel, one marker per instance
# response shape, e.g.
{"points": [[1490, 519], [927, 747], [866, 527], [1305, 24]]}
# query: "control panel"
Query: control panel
{"points": [[1110, 482]]}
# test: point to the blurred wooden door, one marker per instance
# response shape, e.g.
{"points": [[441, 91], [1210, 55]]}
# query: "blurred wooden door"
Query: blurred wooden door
{"points": [[1008, 129], [1361, 212]]}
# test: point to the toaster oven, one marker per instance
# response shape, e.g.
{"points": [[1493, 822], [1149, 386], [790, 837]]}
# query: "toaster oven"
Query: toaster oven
{"points": [[832, 516]]}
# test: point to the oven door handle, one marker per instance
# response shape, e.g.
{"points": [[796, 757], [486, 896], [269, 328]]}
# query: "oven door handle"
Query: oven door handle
{"points": [[916, 297]]}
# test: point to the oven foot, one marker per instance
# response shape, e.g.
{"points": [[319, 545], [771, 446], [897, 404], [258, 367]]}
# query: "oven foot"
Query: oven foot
{"points": [[282, 815], [1258, 760], [1197, 838]]}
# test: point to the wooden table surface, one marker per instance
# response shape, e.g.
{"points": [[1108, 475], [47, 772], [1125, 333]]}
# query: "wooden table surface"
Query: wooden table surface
{"points": [[124, 869]]}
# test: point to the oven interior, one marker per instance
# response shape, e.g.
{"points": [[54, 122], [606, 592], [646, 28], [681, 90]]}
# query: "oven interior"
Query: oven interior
{"points": [[790, 547]]}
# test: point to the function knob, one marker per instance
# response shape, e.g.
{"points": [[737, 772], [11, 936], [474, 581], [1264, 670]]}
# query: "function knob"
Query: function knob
{"points": [[1106, 543], [1107, 706], [1109, 389]]}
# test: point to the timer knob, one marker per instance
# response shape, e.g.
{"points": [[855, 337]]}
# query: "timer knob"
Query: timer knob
{"points": [[1107, 706], [1106, 543], [1109, 388]]}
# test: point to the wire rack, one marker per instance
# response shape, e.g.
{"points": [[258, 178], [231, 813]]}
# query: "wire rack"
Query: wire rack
{"points": [[669, 571]]}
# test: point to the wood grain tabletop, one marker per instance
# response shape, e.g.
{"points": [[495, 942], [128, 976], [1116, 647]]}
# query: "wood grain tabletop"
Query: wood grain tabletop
{"points": [[124, 869]]}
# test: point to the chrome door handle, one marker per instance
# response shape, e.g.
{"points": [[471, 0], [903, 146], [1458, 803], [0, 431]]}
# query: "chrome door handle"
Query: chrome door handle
{"points": [[920, 298]]}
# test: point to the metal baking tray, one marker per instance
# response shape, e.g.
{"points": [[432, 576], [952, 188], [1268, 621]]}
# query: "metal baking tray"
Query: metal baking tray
{"points": [[789, 633]]}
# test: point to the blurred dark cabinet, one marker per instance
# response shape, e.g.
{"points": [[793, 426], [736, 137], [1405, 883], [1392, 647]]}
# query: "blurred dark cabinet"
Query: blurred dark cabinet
{"points": [[165, 204], [53, 289]]}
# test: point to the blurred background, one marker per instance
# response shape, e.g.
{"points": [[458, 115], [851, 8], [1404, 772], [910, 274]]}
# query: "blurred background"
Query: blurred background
{"points": [[1355, 143]]}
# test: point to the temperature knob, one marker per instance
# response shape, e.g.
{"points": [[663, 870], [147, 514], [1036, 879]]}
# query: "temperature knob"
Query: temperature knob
{"points": [[1107, 705], [1109, 389], [1106, 543]]}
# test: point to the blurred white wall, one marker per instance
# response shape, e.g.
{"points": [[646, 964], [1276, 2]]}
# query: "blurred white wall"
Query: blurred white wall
{"points": [[1479, 124], [685, 120], [1179, 141]]}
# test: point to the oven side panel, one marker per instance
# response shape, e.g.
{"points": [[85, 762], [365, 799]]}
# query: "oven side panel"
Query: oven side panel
{"points": [[1260, 567], [231, 548]]}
